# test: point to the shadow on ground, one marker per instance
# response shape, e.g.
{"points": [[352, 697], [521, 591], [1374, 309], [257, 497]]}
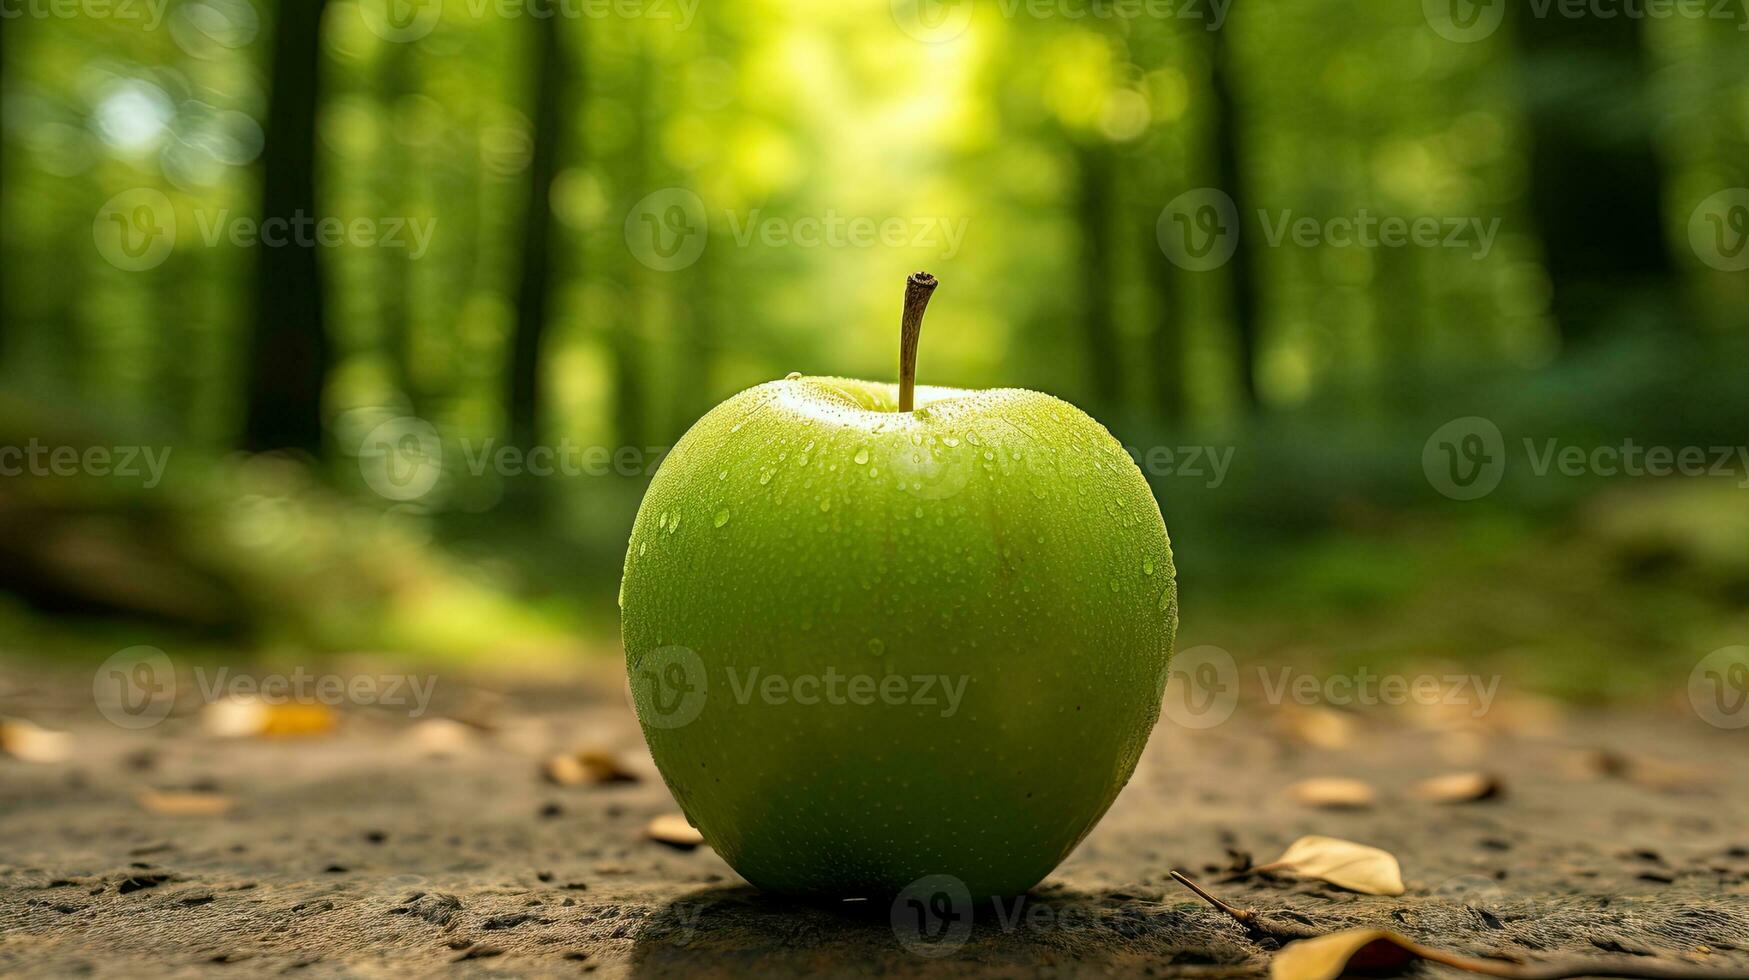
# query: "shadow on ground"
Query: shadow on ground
{"points": [[731, 931]]}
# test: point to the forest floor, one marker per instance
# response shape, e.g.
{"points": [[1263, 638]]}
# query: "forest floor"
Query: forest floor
{"points": [[391, 846]]}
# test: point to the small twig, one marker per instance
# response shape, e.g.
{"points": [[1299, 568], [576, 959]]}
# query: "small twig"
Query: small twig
{"points": [[1254, 922]]}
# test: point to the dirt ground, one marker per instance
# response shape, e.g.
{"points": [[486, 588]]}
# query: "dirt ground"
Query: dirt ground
{"points": [[393, 845]]}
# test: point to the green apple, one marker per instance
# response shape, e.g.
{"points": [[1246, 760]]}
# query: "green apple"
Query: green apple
{"points": [[867, 645]]}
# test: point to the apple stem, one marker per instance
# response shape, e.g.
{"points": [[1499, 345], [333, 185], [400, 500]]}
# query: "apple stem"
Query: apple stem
{"points": [[918, 288]]}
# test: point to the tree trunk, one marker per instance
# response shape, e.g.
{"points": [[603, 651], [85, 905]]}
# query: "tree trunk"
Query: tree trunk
{"points": [[1166, 340], [1596, 186], [625, 342], [549, 78], [395, 307], [1230, 178], [289, 353], [1097, 175]]}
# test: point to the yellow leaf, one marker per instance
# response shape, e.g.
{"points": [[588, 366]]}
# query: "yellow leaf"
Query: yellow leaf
{"points": [[675, 831], [1345, 864], [1370, 951], [175, 804], [588, 767], [1459, 787], [1336, 793], [243, 717], [1322, 728], [29, 742]]}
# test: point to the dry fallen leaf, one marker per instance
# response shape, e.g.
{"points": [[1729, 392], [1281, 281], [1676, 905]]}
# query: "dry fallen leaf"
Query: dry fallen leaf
{"points": [[1333, 792], [177, 804], [586, 768], [674, 830], [1352, 951], [1380, 953], [29, 742], [1323, 728], [1594, 764], [440, 737], [245, 717], [1345, 864], [1671, 777], [1459, 787], [1644, 771]]}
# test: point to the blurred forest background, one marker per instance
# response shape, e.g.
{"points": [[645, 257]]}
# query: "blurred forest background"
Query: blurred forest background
{"points": [[530, 146]]}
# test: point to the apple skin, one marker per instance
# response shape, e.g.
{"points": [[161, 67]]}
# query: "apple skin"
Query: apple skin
{"points": [[1002, 540]]}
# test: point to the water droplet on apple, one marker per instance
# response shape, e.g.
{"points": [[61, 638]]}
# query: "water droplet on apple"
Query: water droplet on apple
{"points": [[1165, 599], [1147, 566], [825, 504], [722, 474], [793, 375], [950, 441], [972, 437], [877, 647], [765, 477], [721, 518], [643, 546], [861, 456]]}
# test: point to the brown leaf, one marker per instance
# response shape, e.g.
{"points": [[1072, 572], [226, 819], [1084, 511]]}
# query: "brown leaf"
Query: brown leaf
{"points": [[178, 804], [1459, 787], [1333, 792], [1374, 952], [675, 831], [29, 742], [1345, 864]]}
